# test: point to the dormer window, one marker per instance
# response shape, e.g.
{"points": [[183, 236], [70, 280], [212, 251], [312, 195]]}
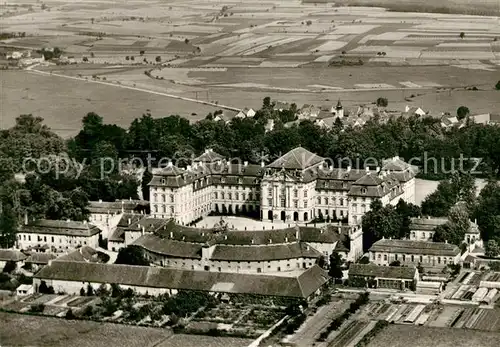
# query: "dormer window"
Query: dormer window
{"points": [[240, 181], [162, 181], [222, 180], [363, 190]]}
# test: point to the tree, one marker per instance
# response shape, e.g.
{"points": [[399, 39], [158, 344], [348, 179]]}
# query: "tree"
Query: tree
{"points": [[381, 222], [497, 86], [131, 255], [462, 112], [395, 263], [70, 314], [158, 59], [336, 263], [382, 102], [492, 249], [90, 290], [10, 266], [141, 53], [44, 289], [82, 292], [462, 35], [186, 41], [454, 230]]}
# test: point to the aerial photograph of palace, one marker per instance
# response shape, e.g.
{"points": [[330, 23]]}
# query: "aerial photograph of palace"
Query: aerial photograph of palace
{"points": [[250, 174]]}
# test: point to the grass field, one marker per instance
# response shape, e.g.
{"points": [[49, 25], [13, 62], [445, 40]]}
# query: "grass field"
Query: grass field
{"points": [[22, 330], [64, 102], [418, 336]]}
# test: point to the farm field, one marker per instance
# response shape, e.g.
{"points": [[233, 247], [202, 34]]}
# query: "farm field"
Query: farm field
{"points": [[53, 332], [64, 102], [418, 336]]}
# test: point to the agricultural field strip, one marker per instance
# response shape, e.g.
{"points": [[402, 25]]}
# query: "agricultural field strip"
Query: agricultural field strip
{"points": [[274, 44]]}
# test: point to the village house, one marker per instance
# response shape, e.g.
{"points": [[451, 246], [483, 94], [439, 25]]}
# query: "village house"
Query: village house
{"points": [[246, 113], [413, 111], [389, 277], [11, 255], [308, 112], [423, 229], [70, 277], [38, 260], [56, 235], [433, 256], [106, 215]]}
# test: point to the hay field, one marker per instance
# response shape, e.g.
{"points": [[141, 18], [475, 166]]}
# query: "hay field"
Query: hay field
{"points": [[21, 330], [63, 102]]}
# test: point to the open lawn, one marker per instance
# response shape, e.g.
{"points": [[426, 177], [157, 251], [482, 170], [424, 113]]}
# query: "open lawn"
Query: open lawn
{"points": [[418, 336], [53, 332]]}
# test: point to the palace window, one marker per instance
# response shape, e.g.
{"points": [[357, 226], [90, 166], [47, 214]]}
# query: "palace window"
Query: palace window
{"points": [[305, 193], [296, 203], [270, 190], [295, 193], [171, 197], [270, 202], [319, 200], [326, 201], [305, 203], [236, 196], [216, 195]]}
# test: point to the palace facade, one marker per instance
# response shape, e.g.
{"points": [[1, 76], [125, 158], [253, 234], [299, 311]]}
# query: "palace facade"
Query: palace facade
{"points": [[299, 187]]}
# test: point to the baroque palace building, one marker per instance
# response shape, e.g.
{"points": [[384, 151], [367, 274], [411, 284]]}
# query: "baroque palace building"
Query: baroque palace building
{"points": [[298, 187]]}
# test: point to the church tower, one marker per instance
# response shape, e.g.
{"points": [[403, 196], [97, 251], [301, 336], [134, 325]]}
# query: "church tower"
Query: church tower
{"points": [[339, 110]]}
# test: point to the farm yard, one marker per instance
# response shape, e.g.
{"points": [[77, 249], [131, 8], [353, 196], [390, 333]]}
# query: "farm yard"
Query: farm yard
{"points": [[224, 52]]}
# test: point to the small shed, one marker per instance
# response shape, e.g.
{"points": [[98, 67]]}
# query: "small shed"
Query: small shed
{"points": [[24, 289]]}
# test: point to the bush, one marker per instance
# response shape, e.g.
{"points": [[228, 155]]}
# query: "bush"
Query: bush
{"points": [[37, 308], [9, 267], [382, 102]]}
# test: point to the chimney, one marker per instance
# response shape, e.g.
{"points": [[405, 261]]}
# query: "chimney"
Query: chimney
{"points": [[170, 163], [25, 218], [245, 163], [331, 168], [203, 234], [253, 241], [225, 237], [188, 168], [446, 241], [262, 163], [349, 168], [68, 220], [321, 231], [297, 235], [383, 238], [270, 241], [100, 201], [129, 221], [171, 234], [367, 169], [143, 229], [206, 150], [286, 239], [377, 169]]}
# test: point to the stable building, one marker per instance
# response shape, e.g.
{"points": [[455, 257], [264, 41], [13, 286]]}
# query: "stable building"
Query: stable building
{"points": [[430, 255], [389, 277], [70, 277], [256, 251], [56, 235], [11, 255]]}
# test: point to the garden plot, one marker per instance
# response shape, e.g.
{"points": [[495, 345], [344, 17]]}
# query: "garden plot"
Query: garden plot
{"points": [[374, 86], [330, 46], [484, 45]]}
